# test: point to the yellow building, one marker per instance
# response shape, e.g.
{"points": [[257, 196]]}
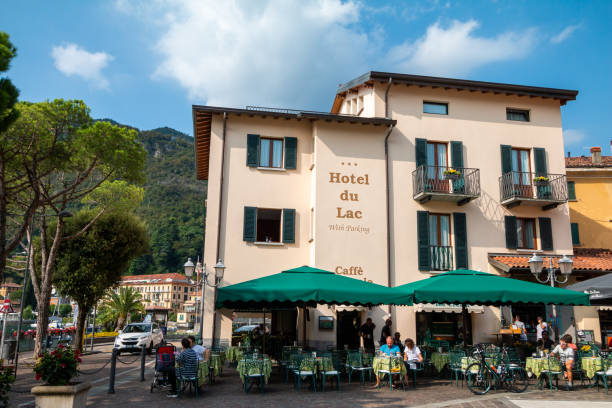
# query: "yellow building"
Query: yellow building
{"points": [[590, 191], [6, 289], [166, 290]]}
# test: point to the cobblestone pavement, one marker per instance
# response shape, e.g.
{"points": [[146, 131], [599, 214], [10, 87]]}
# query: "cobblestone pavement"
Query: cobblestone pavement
{"points": [[227, 392]]}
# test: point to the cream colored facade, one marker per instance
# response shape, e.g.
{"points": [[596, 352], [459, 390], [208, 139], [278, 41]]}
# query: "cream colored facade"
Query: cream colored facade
{"points": [[168, 290], [330, 149]]}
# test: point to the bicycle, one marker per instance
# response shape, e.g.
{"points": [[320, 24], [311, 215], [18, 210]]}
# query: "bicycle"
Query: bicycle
{"points": [[480, 375]]}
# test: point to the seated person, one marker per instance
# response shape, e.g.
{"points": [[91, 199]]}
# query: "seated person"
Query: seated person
{"points": [[201, 351], [397, 340], [412, 355], [388, 349], [566, 355], [187, 363], [545, 343]]}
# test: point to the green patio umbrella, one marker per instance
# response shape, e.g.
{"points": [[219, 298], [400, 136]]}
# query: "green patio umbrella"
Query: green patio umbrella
{"points": [[306, 286], [479, 288]]}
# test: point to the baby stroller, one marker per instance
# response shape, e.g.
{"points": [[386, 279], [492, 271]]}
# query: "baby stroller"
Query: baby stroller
{"points": [[164, 362]]}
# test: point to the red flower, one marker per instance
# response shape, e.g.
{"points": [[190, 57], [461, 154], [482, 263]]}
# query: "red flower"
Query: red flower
{"points": [[37, 377], [63, 365], [60, 346], [79, 360]]}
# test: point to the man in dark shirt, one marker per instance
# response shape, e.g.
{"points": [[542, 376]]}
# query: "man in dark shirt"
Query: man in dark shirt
{"points": [[545, 343], [187, 366], [386, 332], [367, 332]]}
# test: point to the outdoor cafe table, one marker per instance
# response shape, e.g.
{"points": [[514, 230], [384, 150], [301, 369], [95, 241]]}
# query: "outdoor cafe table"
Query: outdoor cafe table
{"points": [[232, 353], [203, 368], [590, 365], [267, 369], [216, 363], [440, 360], [467, 361], [382, 363], [535, 365]]}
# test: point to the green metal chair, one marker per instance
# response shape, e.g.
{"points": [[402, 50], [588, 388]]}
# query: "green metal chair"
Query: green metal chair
{"points": [[307, 369], [187, 380], [419, 367], [330, 367], [355, 362], [254, 370], [392, 366], [454, 364], [605, 372], [552, 369]]}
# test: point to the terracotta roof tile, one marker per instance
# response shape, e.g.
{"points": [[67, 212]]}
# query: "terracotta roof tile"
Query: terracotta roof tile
{"points": [[585, 259], [176, 277], [585, 161], [10, 285]]}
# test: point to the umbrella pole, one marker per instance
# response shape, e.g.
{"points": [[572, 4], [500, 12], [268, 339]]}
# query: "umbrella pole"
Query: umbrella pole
{"points": [[464, 317], [304, 327], [264, 332]]}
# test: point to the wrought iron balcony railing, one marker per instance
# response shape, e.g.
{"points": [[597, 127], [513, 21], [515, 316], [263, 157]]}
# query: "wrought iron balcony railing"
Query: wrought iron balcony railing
{"points": [[446, 183], [546, 190], [441, 258]]}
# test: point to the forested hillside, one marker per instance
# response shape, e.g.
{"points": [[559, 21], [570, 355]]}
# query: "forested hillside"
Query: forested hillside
{"points": [[173, 207]]}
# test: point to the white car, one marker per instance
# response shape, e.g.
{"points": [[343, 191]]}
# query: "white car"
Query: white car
{"points": [[136, 335]]}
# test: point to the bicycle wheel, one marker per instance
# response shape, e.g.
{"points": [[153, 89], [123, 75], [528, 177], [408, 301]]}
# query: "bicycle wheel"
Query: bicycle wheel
{"points": [[518, 380], [478, 378]]}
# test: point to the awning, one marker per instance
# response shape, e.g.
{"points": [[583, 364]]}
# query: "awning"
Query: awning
{"points": [[599, 289], [446, 308], [305, 286], [479, 288]]}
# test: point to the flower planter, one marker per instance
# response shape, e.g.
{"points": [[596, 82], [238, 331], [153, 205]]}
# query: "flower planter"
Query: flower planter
{"points": [[452, 176], [61, 396], [541, 183]]}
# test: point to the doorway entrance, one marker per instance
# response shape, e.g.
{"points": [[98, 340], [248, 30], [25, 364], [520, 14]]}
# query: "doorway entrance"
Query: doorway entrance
{"points": [[347, 333]]}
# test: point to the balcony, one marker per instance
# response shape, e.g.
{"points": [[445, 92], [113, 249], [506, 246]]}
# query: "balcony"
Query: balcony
{"points": [[542, 190], [441, 258], [440, 184]]}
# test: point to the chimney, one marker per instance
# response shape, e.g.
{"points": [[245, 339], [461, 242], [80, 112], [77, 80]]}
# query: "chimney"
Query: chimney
{"points": [[596, 155]]}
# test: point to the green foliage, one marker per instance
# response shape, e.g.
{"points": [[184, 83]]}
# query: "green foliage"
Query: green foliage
{"points": [[126, 302], [172, 317], [64, 310], [7, 377], [90, 264], [57, 367], [27, 313], [15, 295], [8, 91], [116, 195], [173, 206]]}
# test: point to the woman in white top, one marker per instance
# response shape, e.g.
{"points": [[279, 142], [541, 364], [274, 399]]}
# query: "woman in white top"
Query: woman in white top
{"points": [[540, 327], [412, 355]]}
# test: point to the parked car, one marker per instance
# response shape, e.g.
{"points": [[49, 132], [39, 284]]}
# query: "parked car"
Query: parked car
{"points": [[136, 335]]}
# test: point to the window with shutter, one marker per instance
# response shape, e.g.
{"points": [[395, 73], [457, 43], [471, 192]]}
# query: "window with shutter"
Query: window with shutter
{"points": [[288, 225], [571, 190], [575, 234], [511, 236], [421, 152], [423, 240], [506, 158], [546, 236], [456, 155], [461, 250], [539, 157], [526, 233]]}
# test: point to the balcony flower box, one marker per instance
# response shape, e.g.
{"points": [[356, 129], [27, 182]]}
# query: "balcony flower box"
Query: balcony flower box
{"points": [[541, 181], [452, 174]]}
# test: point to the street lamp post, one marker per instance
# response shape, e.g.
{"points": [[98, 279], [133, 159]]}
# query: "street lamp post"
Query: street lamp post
{"points": [[201, 270], [536, 264]]}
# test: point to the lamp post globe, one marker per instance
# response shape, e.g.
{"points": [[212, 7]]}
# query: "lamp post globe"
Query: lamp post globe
{"points": [[189, 268], [219, 269], [536, 263], [566, 265]]}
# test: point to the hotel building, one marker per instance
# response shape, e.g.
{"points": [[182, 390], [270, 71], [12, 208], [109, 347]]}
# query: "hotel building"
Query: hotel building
{"points": [[406, 177]]}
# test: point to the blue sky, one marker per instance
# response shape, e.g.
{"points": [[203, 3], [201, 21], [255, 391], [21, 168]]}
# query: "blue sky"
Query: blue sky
{"points": [[144, 63]]}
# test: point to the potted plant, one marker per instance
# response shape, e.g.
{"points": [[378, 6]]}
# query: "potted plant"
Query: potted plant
{"points": [[541, 180], [57, 368], [7, 377], [452, 174]]}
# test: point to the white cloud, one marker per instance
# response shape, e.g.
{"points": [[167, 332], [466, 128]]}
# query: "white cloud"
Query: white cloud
{"points": [[294, 53], [456, 50], [573, 136], [70, 59], [563, 35]]}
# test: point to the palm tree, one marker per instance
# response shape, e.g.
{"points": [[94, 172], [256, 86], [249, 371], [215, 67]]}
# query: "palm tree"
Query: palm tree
{"points": [[124, 303]]}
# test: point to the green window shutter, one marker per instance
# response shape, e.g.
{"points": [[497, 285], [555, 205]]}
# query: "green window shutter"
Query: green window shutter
{"points": [[288, 226], [461, 250], [252, 150], [249, 230], [506, 158], [571, 190], [456, 155], [511, 233], [539, 157], [575, 234], [421, 152], [423, 239], [291, 153], [546, 237]]}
